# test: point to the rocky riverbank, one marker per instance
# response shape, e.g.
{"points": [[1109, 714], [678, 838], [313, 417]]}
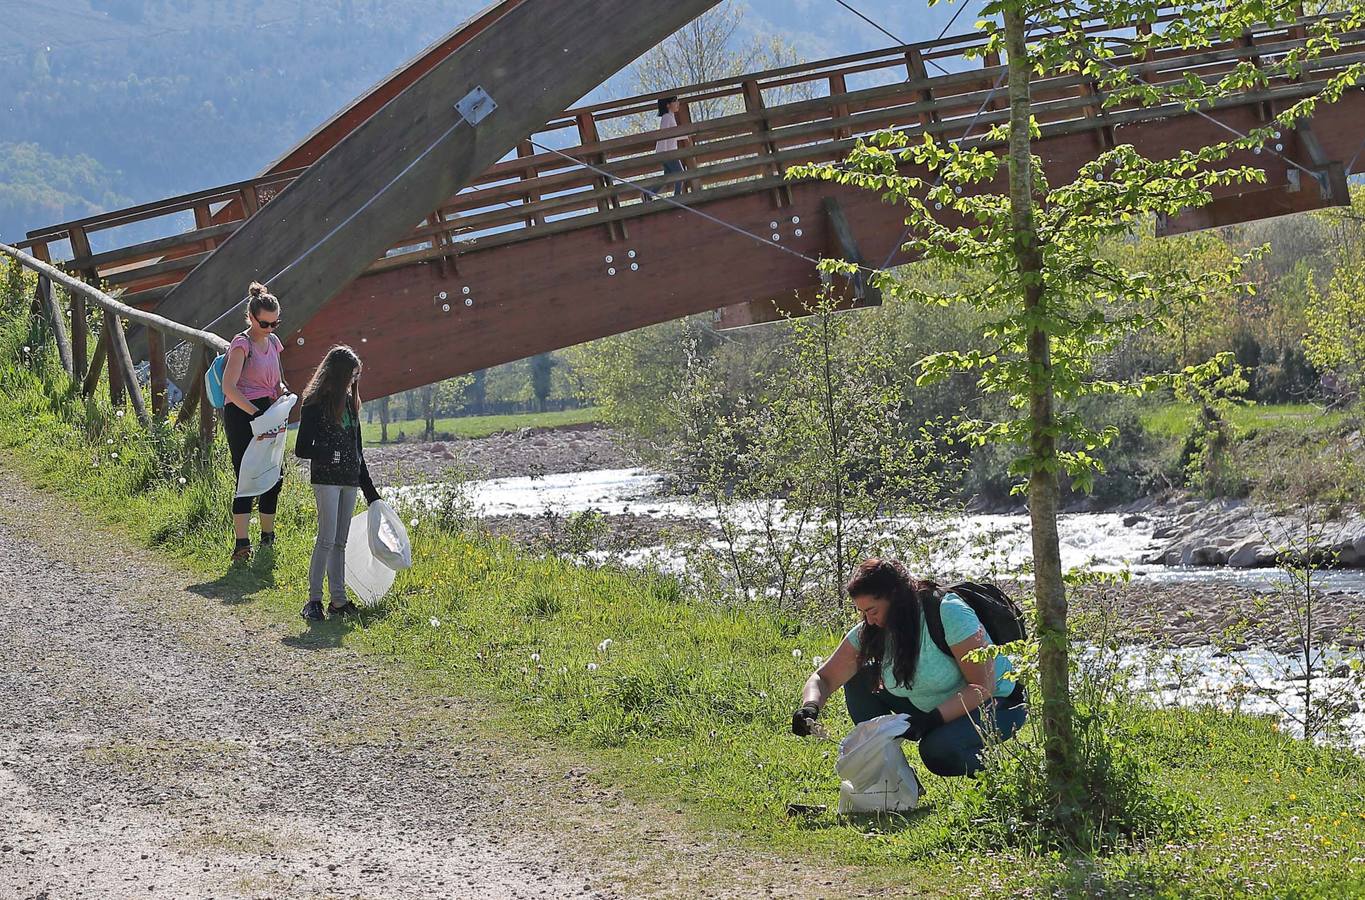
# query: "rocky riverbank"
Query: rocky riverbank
{"points": [[527, 452], [1241, 535]]}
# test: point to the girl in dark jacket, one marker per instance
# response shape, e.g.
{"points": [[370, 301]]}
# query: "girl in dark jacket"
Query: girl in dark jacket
{"points": [[329, 436]]}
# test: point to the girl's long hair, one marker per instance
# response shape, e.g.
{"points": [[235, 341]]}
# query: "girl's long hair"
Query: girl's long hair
{"points": [[889, 580], [333, 384]]}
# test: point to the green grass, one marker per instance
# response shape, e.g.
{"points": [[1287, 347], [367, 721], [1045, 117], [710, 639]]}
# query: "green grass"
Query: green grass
{"points": [[482, 426], [1173, 421], [689, 703]]}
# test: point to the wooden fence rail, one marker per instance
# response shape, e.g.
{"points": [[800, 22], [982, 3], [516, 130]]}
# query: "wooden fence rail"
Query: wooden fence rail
{"points": [[112, 346]]}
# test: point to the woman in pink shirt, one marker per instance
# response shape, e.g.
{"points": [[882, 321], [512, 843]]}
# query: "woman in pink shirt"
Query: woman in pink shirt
{"points": [[252, 381]]}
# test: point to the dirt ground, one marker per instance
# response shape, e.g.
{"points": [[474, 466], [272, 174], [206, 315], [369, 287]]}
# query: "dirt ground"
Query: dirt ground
{"points": [[157, 742]]}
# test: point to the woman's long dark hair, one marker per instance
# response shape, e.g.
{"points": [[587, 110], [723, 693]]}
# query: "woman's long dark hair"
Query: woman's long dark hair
{"points": [[333, 385], [887, 579]]}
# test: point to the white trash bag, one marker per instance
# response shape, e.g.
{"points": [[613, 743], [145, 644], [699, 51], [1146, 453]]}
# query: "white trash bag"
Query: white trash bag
{"points": [[388, 538], [369, 577], [874, 774], [263, 459]]}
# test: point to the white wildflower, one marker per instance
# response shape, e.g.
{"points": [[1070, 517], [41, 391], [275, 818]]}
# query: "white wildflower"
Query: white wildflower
{"points": [[110, 442], [818, 661], [435, 622], [796, 654], [119, 414], [181, 479], [763, 695], [592, 667], [604, 646], [535, 657], [113, 456], [525, 671]]}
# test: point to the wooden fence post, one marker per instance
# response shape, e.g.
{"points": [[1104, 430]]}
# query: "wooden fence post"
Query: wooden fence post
{"points": [[194, 392], [156, 374], [53, 312], [92, 377], [118, 345], [206, 424], [112, 361], [80, 337]]}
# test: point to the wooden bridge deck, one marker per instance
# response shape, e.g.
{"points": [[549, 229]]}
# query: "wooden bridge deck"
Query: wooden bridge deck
{"points": [[538, 252]]}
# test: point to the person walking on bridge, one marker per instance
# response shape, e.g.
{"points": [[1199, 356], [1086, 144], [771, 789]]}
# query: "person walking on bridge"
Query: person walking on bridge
{"points": [[668, 118], [253, 379], [329, 436]]}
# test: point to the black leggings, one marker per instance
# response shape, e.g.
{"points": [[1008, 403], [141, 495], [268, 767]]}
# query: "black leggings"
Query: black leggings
{"points": [[237, 424]]}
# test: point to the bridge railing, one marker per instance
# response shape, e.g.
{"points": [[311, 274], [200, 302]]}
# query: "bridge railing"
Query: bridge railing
{"points": [[112, 346], [756, 126]]}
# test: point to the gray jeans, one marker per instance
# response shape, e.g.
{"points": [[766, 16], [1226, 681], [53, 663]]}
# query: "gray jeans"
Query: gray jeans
{"points": [[336, 505]]}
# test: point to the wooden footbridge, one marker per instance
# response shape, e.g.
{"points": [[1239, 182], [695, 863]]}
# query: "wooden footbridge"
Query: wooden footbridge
{"points": [[446, 222]]}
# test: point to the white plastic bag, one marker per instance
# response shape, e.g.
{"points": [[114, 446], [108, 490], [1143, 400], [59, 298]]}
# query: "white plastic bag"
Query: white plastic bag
{"points": [[875, 776], [388, 538], [264, 458], [365, 574]]}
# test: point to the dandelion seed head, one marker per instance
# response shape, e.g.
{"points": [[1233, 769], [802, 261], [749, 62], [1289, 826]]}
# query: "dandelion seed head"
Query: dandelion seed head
{"points": [[604, 646], [435, 622], [796, 654], [592, 667], [118, 414], [535, 657]]}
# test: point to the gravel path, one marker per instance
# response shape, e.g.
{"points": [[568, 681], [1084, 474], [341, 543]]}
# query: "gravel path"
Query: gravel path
{"points": [[157, 744]]}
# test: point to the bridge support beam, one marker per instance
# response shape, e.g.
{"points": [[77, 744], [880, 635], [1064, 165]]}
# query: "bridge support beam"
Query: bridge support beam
{"points": [[390, 172]]}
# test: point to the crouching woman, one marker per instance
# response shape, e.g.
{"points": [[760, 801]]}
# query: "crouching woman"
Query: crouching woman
{"points": [[329, 436], [888, 663]]}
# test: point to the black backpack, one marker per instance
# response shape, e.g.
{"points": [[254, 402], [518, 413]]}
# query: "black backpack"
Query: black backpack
{"points": [[1001, 616]]}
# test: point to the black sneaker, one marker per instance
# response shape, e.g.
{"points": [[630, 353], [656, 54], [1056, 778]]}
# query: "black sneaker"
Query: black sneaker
{"points": [[345, 609], [312, 611]]}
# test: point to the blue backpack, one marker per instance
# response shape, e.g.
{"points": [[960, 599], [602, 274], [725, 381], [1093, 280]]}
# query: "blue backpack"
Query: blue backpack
{"points": [[213, 378]]}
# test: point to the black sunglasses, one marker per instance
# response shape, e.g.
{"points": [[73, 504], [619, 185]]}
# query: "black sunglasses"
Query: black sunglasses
{"points": [[268, 325]]}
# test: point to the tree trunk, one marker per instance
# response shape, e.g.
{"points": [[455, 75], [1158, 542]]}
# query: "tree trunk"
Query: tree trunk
{"points": [[1049, 591], [429, 412], [384, 420]]}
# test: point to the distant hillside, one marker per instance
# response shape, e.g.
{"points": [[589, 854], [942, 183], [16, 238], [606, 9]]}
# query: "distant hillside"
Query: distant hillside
{"points": [[116, 101]]}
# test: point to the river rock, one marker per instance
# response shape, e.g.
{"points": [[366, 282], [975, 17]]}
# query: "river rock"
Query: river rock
{"points": [[1206, 555], [1251, 554]]}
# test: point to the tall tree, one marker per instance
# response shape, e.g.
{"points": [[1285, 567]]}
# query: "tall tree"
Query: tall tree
{"points": [[1056, 304]]}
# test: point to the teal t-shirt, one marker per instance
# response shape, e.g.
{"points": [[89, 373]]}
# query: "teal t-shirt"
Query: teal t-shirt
{"points": [[937, 676]]}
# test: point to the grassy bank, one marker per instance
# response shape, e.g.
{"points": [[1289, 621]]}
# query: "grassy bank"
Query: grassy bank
{"points": [[481, 426], [682, 702]]}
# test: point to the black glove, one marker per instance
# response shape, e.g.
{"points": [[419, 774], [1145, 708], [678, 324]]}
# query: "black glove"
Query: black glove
{"points": [[804, 718], [921, 723]]}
